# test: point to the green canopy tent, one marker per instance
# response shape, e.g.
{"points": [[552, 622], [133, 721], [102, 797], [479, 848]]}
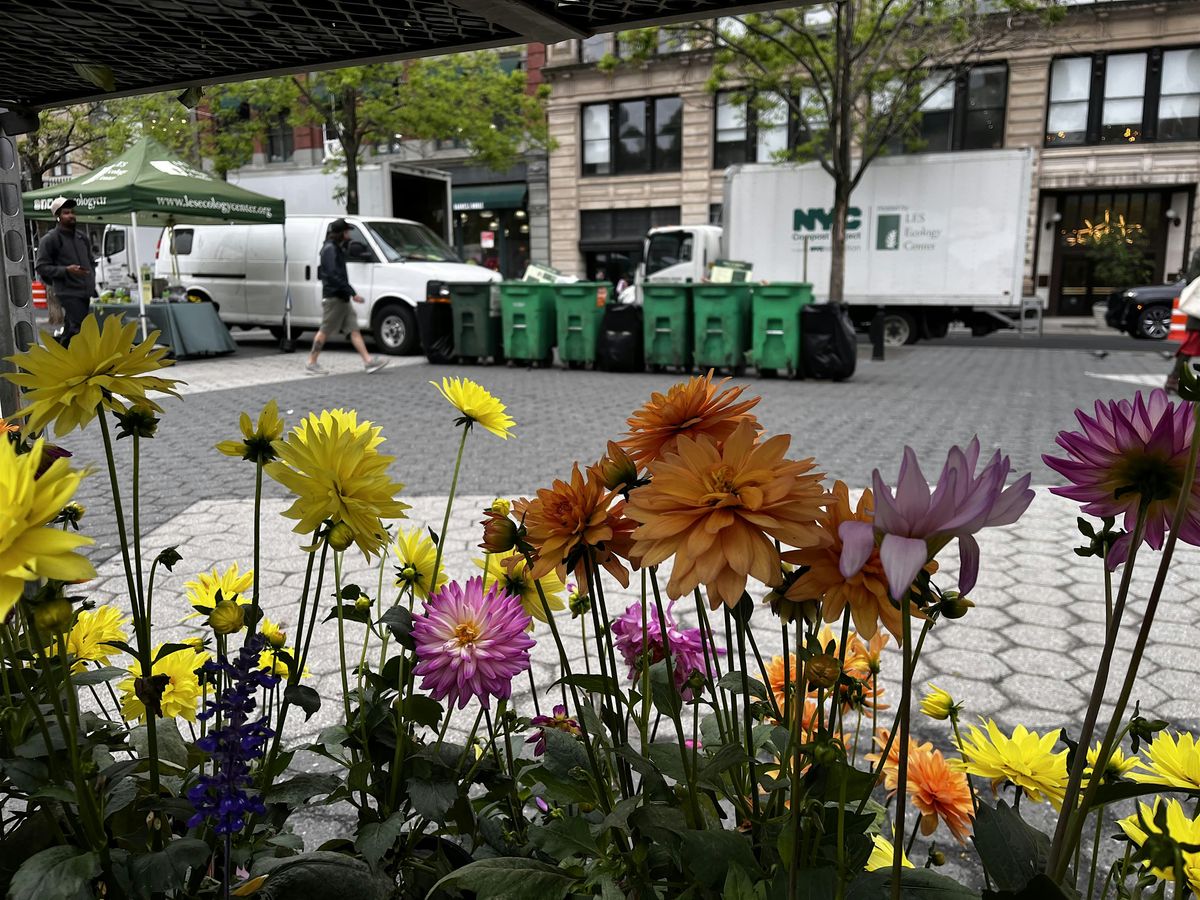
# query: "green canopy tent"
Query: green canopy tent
{"points": [[148, 185]]}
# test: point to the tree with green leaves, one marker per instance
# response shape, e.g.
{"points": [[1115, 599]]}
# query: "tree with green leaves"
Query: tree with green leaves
{"points": [[469, 98], [61, 137], [853, 75]]}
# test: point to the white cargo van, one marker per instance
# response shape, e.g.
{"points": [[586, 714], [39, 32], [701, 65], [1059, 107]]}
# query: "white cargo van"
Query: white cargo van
{"points": [[393, 263], [115, 268]]}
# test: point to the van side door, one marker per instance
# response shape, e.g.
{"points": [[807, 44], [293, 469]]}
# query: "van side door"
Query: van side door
{"points": [[361, 259]]}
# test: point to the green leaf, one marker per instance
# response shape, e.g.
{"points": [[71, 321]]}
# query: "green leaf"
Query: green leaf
{"points": [[564, 838], [167, 869], [726, 757], [59, 873], [350, 613], [564, 754], [304, 697], [734, 681], [375, 839], [423, 710], [1012, 851], [432, 799], [594, 684], [399, 622], [508, 878], [739, 886], [663, 692], [323, 875], [171, 748], [98, 676], [915, 884], [1041, 888], [300, 789], [1128, 790], [167, 649], [99, 75], [708, 854], [667, 759]]}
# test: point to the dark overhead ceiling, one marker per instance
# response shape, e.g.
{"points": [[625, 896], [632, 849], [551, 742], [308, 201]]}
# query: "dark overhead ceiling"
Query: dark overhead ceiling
{"points": [[162, 44]]}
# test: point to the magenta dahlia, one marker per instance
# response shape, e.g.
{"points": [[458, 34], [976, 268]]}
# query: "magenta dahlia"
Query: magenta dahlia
{"points": [[560, 721], [687, 645], [1127, 454], [471, 643]]}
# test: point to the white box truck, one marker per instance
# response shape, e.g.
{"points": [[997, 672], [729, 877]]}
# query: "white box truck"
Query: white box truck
{"points": [[933, 238]]}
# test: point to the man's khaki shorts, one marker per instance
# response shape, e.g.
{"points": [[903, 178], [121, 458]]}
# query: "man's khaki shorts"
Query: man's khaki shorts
{"points": [[337, 316]]}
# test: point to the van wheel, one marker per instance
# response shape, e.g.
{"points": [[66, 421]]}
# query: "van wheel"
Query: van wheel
{"points": [[395, 330], [279, 332], [899, 329]]}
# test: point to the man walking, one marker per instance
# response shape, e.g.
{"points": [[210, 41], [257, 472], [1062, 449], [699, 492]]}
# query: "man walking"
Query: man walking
{"points": [[64, 262], [337, 315]]}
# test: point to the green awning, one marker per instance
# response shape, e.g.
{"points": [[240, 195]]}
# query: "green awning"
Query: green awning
{"points": [[489, 196]]}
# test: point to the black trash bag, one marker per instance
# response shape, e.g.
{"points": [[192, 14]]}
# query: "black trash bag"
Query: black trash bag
{"points": [[435, 323], [620, 346], [830, 347]]}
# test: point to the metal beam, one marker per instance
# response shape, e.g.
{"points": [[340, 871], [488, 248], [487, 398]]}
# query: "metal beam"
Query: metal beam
{"points": [[524, 19], [16, 297]]}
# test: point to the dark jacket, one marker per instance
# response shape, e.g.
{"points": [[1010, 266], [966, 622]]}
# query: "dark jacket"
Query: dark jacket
{"points": [[332, 272], [58, 249]]}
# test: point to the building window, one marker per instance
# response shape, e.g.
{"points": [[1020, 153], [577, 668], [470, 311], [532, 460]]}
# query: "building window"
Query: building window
{"points": [[1179, 96], [937, 116], [280, 140], [593, 49], [983, 121], [741, 137], [631, 136], [716, 213], [61, 169], [731, 130], [1125, 98], [959, 113], [611, 240]]}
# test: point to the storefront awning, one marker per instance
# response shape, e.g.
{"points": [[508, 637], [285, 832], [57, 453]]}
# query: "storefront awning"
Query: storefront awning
{"points": [[489, 196]]}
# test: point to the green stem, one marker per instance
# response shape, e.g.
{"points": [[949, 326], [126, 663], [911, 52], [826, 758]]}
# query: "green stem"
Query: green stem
{"points": [[254, 599], [437, 560], [902, 774]]}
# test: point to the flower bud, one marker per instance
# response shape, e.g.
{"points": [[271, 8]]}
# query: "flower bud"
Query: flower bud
{"points": [[140, 420], [277, 639], [501, 506], [937, 857], [363, 603], [823, 671], [580, 603], [938, 704], [500, 533], [340, 536], [54, 616], [696, 681], [227, 617], [616, 469], [954, 605], [71, 514]]}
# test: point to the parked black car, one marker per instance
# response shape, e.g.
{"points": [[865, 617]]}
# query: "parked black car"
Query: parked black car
{"points": [[1144, 312]]}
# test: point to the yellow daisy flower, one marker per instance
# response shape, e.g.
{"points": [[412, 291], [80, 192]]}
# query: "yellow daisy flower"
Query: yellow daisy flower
{"points": [[476, 405], [1025, 759], [269, 659], [1179, 828], [509, 570], [257, 438], [415, 556], [937, 704], [181, 691], [1119, 765], [882, 854], [101, 367], [90, 636], [28, 549], [1173, 761], [274, 634], [233, 585], [332, 465]]}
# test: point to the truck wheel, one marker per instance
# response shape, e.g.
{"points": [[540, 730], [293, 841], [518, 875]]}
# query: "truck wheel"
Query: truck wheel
{"points": [[395, 330], [899, 329], [279, 332], [1154, 323]]}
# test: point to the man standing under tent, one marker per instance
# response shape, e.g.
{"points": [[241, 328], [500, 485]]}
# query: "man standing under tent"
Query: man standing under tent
{"points": [[337, 315], [64, 262]]}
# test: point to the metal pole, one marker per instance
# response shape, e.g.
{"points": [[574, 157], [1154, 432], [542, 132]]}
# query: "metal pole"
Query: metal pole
{"points": [[16, 296], [805, 278], [287, 345], [137, 268]]}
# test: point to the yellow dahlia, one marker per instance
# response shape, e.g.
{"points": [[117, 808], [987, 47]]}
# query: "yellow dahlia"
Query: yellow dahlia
{"points": [[1173, 760], [257, 437], [332, 464], [270, 659], [176, 673], [1119, 765], [476, 405], [883, 853], [1025, 759], [102, 367], [232, 585], [689, 409], [415, 556], [1179, 828], [718, 510], [938, 704], [513, 576], [90, 637], [29, 550]]}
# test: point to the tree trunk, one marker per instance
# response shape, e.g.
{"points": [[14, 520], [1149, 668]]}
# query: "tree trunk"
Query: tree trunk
{"points": [[843, 162], [350, 148], [837, 241], [351, 184]]}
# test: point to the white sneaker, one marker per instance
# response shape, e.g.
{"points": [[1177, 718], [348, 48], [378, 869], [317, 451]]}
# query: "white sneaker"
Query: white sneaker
{"points": [[315, 368], [375, 364]]}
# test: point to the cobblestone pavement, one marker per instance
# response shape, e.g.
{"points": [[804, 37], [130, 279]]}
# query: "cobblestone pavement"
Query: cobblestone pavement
{"points": [[1026, 654]]}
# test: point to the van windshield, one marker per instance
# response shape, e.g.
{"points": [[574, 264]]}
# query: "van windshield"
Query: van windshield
{"points": [[409, 241], [668, 248]]}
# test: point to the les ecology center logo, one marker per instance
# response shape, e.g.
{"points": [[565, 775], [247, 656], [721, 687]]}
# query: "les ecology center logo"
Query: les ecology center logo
{"points": [[820, 220]]}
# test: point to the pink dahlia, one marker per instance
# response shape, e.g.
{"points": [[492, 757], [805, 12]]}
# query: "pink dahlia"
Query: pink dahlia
{"points": [[471, 644], [560, 721], [1128, 454], [915, 523], [687, 645]]}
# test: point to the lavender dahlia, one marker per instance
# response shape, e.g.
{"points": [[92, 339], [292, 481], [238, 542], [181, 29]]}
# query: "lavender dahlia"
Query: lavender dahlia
{"points": [[222, 797], [686, 644], [560, 721], [915, 522], [1129, 454], [471, 644]]}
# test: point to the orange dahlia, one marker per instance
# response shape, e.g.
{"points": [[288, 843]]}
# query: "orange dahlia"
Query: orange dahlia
{"points": [[891, 767], [940, 793], [563, 521], [783, 685], [866, 592], [719, 510], [860, 663], [689, 409]]}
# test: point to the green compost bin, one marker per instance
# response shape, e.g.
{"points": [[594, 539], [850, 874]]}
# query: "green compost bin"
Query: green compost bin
{"points": [[580, 313], [721, 325], [775, 325], [527, 321], [667, 325], [476, 321]]}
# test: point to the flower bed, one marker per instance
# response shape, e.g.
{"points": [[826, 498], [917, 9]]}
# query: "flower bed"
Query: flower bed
{"points": [[683, 758]]}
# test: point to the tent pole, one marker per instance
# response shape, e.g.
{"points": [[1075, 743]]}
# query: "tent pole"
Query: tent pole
{"points": [[16, 298], [286, 344], [137, 268]]}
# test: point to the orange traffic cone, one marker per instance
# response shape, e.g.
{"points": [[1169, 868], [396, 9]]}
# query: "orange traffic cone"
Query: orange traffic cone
{"points": [[1178, 332], [39, 295]]}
